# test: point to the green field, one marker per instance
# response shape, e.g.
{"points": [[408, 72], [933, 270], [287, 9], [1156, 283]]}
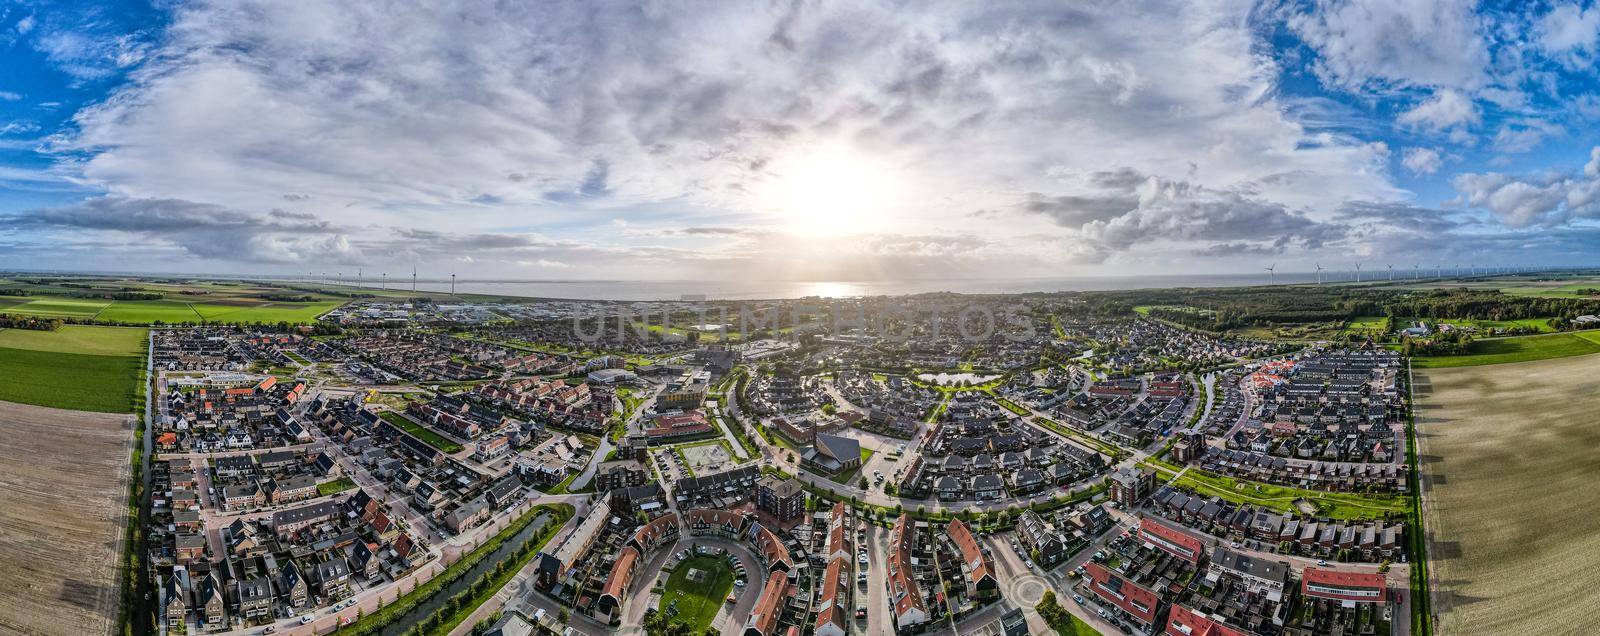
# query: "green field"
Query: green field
{"points": [[54, 307], [108, 384], [99, 341], [698, 602], [168, 311], [1519, 349], [266, 312], [421, 432]]}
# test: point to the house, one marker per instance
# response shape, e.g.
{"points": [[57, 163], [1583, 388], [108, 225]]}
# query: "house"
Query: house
{"points": [[763, 620], [1044, 544], [332, 577], [1171, 540], [1349, 588], [175, 596], [1137, 603], [209, 602], [292, 586], [978, 566], [910, 609], [1260, 576], [467, 515], [1182, 621]]}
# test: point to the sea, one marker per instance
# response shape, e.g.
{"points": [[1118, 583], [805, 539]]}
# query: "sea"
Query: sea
{"points": [[639, 290]]}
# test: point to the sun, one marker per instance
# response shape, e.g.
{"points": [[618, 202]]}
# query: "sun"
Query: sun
{"points": [[830, 190]]}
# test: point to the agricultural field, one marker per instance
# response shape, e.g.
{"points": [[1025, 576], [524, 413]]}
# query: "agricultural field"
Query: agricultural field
{"points": [[57, 307], [78, 368], [168, 311], [1508, 467], [61, 514], [89, 340], [224, 301], [1518, 349]]}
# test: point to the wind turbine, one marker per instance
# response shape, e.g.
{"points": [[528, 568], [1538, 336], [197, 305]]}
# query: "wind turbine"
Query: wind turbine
{"points": [[1358, 272], [1416, 271], [1391, 271], [413, 279], [386, 281], [452, 284], [1440, 267], [1270, 271], [1319, 273]]}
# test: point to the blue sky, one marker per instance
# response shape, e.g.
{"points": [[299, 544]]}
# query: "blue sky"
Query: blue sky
{"points": [[813, 140]]}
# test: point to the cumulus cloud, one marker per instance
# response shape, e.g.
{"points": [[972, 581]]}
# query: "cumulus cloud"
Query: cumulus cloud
{"points": [[1423, 43], [1569, 32], [1444, 110], [1422, 160], [1544, 200]]}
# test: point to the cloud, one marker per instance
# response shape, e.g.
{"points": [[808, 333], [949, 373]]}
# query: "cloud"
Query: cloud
{"points": [[1422, 160], [1542, 201], [1569, 32], [553, 119], [1135, 210], [1395, 43], [1524, 135], [201, 230], [8, 96], [1446, 109]]}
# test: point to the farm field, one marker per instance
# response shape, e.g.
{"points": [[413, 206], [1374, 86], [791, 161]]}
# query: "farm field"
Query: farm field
{"points": [[99, 341], [54, 307], [169, 311], [40, 369], [191, 301], [61, 515], [1517, 349], [1507, 461]]}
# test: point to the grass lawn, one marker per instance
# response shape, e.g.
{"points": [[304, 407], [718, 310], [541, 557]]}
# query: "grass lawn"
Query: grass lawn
{"points": [[167, 311], [99, 341], [420, 432], [107, 384], [698, 601], [336, 486], [1519, 349], [1076, 627], [1282, 498]]}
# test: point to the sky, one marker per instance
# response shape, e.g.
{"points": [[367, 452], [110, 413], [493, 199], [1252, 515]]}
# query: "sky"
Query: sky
{"points": [[808, 140]]}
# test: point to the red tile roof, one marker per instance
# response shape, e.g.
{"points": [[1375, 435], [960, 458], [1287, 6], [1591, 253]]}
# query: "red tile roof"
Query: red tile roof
{"points": [[1134, 599], [764, 616], [902, 582], [829, 607], [1186, 622], [978, 565], [1171, 540], [1344, 586], [617, 582]]}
